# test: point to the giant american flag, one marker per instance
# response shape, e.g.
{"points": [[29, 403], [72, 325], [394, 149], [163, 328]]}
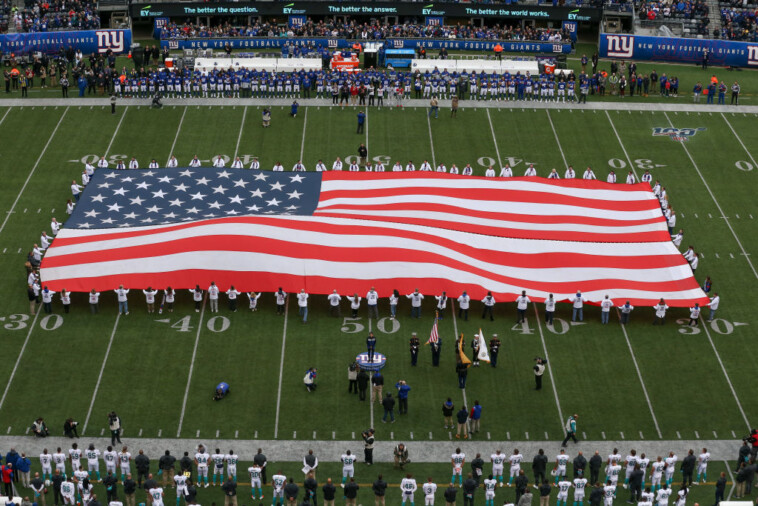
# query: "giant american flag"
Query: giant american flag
{"points": [[260, 230]]}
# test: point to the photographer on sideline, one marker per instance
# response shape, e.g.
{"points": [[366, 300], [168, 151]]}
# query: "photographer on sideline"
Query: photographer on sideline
{"points": [[114, 423], [401, 456], [539, 370], [368, 446], [69, 428]]}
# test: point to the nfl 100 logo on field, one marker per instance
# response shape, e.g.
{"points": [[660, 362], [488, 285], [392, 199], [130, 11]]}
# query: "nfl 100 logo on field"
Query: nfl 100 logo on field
{"points": [[620, 46], [676, 134], [110, 39]]}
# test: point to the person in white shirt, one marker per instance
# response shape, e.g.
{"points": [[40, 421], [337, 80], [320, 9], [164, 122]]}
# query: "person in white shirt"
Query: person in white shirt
{"points": [[168, 297], [530, 171], [605, 310], [197, 297], [93, 460], [201, 461], [281, 300], [408, 487], [237, 163], [626, 310], [609, 493], [120, 165], [657, 474], [94, 298], [68, 491], [44, 241], [278, 481], [354, 167], [156, 496], [677, 239], [320, 167], [580, 484], [180, 482], [102, 163], [255, 164], [372, 300], [110, 456], [681, 496], [416, 298], [55, 226], [506, 171], [647, 177], [348, 468], [60, 461], [334, 299], [232, 295], [76, 190], [563, 488], [490, 172], [337, 165], [124, 460], [66, 300], [172, 162], [133, 163], [409, 167], [464, 302], [441, 167], [219, 162], [298, 167], [46, 460], [694, 262], [630, 179], [429, 489], [254, 300], [570, 173], [630, 461], [553, 174], [613, 471], [497, 459], [150, 299], [302, 305], [426, 167], [123, 304], [515, 459], [368, 167], [255, 480], [218, 459], [195, 162], [213, 292], [467, 170], [355, 304], [689, 254], [394, 299], [454, 169], [588, 174], [611, 177], [671, 221], [397, 167], [714, 305], [441, 304], [379, 167], [489, 304], [662, 497], [153, 164], [561, 461], [278, 167], [702, 459], [85, 179], [522, 302], [69, 207], [578, 303], [457, 459], [670, 462], [75, 456]]}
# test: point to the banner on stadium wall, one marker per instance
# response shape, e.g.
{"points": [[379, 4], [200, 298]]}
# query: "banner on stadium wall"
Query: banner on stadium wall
{"points": [[721, 52], [394, 8], [462, 45], [572, 27], [434, 21], [158, 25], [88, 41], [294, 21]]}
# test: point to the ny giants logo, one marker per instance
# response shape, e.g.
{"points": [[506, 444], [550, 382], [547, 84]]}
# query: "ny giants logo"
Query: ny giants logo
{"points": [[110, 39], [620, 46], [752, 55], [676, 134]]}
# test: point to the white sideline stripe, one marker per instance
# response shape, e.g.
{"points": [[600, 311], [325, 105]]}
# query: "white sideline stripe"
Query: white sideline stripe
{"points": [[242, 127], [628, 159], [549, 369], [729, 381], [281, 367], [18, 361], [192, 364], [455, 329], [740, 141], [118, 127], [494, 139], [176, 137], [718, 206], [302, 143], [642, 382], [558, 142], [100, 376], [731, 478], [431, 139], [34, 168]]}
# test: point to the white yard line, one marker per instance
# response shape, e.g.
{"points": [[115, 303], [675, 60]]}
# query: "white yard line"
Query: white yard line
{"points": [[729, 381], [4, 115], [18, 360], [731, 478], [100, 376], [639, 375], [549, 369], [302, 143], [618, 138], [431, 139], [242, 127], [176, 137], [31, 172], [718, 206], [494, 139], [192, 365], [281, 368], [740, 141], [557, 141], [455, 329], [118, 127]]}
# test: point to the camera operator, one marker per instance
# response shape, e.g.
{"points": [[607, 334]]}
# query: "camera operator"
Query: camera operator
{"points": [[368, 446], [752, 440], [539, 370], [114, 423], [69, 428], [401, 456]]}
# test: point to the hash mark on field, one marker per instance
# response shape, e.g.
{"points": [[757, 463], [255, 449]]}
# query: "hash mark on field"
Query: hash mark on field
{"points": [[102, 431], [602, 434], [450, 435], [546, 436], [734, 435], [488, 436], [236, 434], [198, 434], [353, 435], [731, 255], [411, 435], [717, 255], [334, 435], [392, 435], [678, 435], [697, 436], [217, 433], [28, 429], [9, 430], [314, 432], [527, 435], [294, 434], [622, 435], [737, 216], [39, 211], [641, 436], [140, 433], [695, 215], [160, 431], [255, 436], [19, 250], [430, 436], [715, 436], [508, 435], [25, 209]]}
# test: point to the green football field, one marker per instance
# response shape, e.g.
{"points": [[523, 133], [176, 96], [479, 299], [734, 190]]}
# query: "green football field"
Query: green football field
{"points": [[158, 371]]}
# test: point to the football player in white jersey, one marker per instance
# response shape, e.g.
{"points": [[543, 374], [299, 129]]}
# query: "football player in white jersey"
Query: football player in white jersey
{"points": [[429, 489], [278, 481], [201, 461], [124, 460], [68, 491], [657, 474], [516, 460], [93, 460], [181, 487], [156, 496], [110, 456], [647, 497], [643, 462], [681, 496], [60, 461], [630, 461], [612, 473], [408, 487], [218, 466], [669, 469], [497, 459], [563, 490], [614, 458], [231, 464], [348, 468], [46, 460], [255, 480], [702, 465], [75, 456], [662, 497], [457, 459], [489, 491], [560, 466], [609, 493], [580, 484]]}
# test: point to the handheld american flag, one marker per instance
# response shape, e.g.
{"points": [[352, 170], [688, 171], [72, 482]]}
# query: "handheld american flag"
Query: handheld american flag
{"points": [[434, 336], [349, 231]]}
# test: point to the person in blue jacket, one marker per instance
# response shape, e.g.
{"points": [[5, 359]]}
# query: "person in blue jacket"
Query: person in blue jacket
{"points": [[222, 390], [23, 466]]}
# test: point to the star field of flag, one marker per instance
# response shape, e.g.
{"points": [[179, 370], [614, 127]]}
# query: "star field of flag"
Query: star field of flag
{"points": [[130, 198]]}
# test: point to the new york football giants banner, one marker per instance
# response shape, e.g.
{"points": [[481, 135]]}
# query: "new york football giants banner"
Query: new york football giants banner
{"points": [[721, 52], [88, 41], [572, 27], [296, 21]]}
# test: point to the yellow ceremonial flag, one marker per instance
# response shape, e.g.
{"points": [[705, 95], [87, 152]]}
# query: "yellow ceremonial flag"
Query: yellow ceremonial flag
{"points": [[461, 353]]}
